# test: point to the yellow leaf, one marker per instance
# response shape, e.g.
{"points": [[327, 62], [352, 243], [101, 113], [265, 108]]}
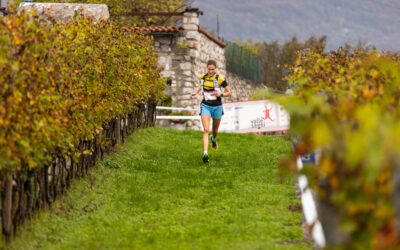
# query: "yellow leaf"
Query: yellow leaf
{"points": [[322, 134], [327, 167], [32, 164], [87, 152]]}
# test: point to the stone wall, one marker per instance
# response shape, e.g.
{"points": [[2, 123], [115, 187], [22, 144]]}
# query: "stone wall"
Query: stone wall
{"points": [[165, 46], [183, 58], [208, 49], [241, 88], [64, 12]]}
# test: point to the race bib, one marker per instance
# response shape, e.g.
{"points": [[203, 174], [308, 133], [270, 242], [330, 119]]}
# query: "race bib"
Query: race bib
{"points": [[209, 96]]}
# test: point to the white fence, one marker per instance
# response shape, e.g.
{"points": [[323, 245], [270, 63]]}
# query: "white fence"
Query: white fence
{"points": [[244, 117], [308, 203], [183, 117]]}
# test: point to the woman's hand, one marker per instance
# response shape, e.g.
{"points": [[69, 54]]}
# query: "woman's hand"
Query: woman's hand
{"points": [[195, 92], [217, 93]]}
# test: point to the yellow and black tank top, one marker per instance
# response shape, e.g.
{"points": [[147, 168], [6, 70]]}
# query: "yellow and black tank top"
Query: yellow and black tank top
{"points": [[209, 85]]}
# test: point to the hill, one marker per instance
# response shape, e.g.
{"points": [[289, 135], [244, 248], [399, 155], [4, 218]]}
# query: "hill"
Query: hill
{"points": [[372, 21]]}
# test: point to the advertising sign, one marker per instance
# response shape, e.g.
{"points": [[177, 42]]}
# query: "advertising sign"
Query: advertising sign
{"points": [[254, 117]]}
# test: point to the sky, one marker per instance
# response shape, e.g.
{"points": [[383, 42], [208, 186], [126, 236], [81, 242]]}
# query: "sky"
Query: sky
{"points": [[375, 22]]}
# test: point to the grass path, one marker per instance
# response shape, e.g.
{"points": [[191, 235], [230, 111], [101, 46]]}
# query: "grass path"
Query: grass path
{"points": [[156, 193]]}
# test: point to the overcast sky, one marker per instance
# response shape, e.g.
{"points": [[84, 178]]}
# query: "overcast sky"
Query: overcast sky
{"points": [[372, 21]]}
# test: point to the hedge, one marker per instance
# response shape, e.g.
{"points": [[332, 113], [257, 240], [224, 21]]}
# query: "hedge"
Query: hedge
{"points": [[347, 108], [67, 91]]}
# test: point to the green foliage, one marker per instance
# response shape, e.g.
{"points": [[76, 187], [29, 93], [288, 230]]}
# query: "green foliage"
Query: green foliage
{"points": [[166, 101], [347, 108], [349, 49], [276, 59], [182, 45], [156, 193], [249, 45], [181, 113], [260, 94], [60, 82], [118, 7], [242, 61]]}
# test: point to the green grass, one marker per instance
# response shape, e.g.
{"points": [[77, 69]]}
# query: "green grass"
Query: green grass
{"points": [[156, 193]]}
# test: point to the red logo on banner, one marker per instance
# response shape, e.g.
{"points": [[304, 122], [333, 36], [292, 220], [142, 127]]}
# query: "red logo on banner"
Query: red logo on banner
{"points": [[266, 113]]}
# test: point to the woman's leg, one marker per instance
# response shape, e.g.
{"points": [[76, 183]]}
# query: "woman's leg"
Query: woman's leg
{"points": [[205, 120], [215, 127], [217, 120]]}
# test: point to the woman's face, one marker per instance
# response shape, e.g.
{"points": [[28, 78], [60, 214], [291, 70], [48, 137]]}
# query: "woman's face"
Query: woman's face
{"points": [[211, 70]]}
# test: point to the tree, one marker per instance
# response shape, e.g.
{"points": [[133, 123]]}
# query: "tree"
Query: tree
{"points": [[140, 12], [349, 49], [276, 58]]}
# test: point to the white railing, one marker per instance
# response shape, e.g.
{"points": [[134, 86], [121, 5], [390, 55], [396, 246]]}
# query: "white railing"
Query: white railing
{"points": [[310, 208], [181, 117], [173, 108]]}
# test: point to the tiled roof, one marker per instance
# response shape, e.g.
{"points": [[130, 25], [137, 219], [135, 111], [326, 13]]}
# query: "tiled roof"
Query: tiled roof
{"points": [[217, 41], [156, 29]]}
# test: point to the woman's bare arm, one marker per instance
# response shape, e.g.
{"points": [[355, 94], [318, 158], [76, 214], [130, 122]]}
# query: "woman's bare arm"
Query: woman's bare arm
{"points": [[196, 92], [226, 94]]}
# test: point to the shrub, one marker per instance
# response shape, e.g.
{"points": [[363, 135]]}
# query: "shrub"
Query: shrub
{"points": [[347, 108], [260, 93], [60, 82]]}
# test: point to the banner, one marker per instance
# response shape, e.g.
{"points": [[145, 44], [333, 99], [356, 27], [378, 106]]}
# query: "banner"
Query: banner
{"points": [[254, 117]]}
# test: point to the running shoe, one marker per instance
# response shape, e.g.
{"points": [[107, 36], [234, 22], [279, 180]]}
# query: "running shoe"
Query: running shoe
{"points": [[214, 144], [205, 158]]}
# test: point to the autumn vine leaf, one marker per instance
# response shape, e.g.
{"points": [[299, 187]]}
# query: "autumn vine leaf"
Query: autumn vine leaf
{"points": [[346, 107]]}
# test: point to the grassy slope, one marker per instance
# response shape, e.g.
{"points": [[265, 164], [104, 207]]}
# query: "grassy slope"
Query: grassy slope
{"points": [[157, 194]]}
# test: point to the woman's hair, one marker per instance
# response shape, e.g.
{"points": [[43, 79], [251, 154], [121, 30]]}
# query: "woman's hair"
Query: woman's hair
{"points": [[212, 62]]}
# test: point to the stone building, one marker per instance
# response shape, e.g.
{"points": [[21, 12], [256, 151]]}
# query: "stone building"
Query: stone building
{"points": [[183, 52]]}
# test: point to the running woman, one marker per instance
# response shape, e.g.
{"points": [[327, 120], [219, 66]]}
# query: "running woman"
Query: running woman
{"points": [[211, 105]]}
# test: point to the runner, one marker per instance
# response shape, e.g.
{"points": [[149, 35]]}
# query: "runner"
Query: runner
{"points": [[211, 105]]}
